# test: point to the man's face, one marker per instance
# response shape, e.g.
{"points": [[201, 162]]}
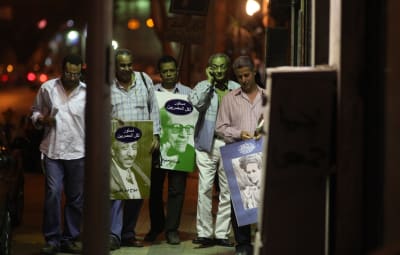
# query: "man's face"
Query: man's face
{"points": [[168, 73], [246, 78], [253, 172], [124, 153], [71, 75], [219, 68], [124, 68], [178, 136]]}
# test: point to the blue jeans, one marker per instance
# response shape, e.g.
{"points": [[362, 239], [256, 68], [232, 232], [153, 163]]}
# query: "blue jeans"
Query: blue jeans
{"points": [[67, 175]]}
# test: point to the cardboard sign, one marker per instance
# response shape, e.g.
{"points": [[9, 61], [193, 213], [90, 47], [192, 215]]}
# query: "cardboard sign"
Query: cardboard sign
{"points": [[178, 119], [130, 167], [243, 167]]}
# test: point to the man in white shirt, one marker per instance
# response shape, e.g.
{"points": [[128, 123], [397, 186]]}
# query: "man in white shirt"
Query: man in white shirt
{"points": [[59, 108], [169, 221]]}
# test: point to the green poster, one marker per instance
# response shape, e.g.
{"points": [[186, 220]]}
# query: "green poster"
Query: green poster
{"points": [[178, 118]]}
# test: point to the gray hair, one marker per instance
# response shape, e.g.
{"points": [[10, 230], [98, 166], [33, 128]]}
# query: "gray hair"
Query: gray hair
{"points": [[219, 55], [243, 61]]}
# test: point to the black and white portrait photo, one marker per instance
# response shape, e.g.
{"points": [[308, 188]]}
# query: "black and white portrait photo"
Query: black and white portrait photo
{"points": [[243, 165], [130, 165], [248, 175]]}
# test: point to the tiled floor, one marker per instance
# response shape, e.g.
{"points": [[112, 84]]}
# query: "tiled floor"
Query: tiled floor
{"points": [[28, 239]]}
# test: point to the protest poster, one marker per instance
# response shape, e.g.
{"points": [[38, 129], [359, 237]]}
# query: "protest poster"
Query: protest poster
{"points": [[178, 118], [243, 167], [130, 168]]}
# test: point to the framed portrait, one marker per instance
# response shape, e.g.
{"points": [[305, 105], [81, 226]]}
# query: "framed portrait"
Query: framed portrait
{"points": [[178, 118], [243, 167], [193, 7], [130, 167]]}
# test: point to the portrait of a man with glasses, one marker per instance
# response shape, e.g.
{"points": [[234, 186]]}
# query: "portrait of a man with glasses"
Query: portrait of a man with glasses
{"points": [[177, 151]]}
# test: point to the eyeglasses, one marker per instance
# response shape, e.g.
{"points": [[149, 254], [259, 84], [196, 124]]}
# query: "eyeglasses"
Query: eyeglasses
{"points": [[125, 65], [220, 68], [74, 75], [178, 129]]}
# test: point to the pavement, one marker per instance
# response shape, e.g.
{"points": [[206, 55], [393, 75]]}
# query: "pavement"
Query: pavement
{"points": [[28, 240]]}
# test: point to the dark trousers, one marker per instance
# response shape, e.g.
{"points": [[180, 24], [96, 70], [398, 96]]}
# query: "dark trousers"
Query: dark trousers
{"points": [[124, 215], [176, 195], [131, 214], [242, 235]]}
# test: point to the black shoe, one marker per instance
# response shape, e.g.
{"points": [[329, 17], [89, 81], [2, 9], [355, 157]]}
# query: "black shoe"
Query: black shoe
{"points": [[49, 250], [71, 247], [223, 242], [151, 236], [133, 242], [114, 243], [204, 242], [172, 237]]}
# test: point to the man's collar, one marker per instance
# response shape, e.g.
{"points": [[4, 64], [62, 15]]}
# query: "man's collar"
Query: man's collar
{"points": [[120, 86], [174, 90], [240, 91]]}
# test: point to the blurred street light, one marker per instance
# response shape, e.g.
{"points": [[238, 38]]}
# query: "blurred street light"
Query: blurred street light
{"points": [[133, 24], [150, 23], [42, 24], [72, 37], [252, 6], [114, 44]]}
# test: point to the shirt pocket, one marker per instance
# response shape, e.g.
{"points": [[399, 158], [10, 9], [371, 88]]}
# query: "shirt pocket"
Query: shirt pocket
{"points": [[140, 105], [77, 108]]}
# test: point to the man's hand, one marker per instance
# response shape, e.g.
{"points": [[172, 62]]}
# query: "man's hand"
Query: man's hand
{"points": [[210, 74], [155, 145], [46, 121], [257, 135], [244, 135]]}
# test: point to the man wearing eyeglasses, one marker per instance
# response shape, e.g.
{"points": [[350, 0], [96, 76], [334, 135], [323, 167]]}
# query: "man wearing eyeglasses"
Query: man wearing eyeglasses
{"points": [[59, 109], [177, 138]]}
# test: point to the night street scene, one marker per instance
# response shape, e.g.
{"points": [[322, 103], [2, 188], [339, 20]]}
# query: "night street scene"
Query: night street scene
{"points": [[226, 127]]}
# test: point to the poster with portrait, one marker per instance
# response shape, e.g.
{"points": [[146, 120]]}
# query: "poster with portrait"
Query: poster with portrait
{"points": [[178, 118], [243, 166], [130, 167]]}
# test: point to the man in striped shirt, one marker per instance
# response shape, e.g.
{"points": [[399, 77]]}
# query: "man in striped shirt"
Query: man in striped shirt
{"points": [[132, 98], [238, 116]]}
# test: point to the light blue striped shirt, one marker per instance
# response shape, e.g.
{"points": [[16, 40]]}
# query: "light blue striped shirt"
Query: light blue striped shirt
{"points": [[138, 103]]}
